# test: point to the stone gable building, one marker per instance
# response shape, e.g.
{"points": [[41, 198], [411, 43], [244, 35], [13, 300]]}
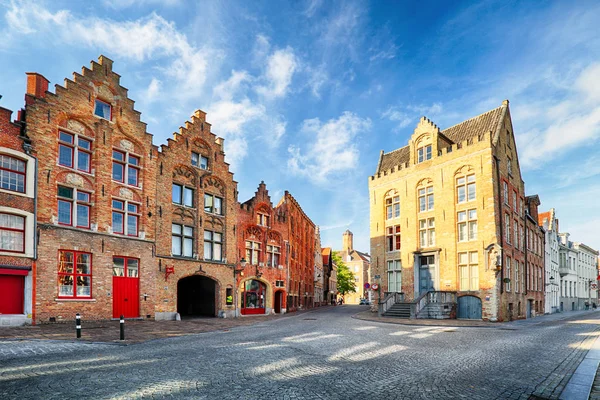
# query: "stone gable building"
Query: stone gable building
{"points": [[196, 219], [358, 263], [320, 296], [17, 222], [535, 280], [548, 221], [96, 198], [263, 242], [448, 219]]}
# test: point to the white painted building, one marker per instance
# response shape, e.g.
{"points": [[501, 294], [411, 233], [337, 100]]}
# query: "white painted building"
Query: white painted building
{"points": [[567, 267], [587, 274], [552, 290], [319, 296]]}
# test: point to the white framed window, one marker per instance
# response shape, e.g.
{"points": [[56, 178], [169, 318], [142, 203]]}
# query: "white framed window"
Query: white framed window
{"points": [[392, 207], [467, 225], [213, 246], [273, 253], [516, 233], [74, 207], [425, 199], [126, 168], [213, 204], [125, 217], [182, 195], [507, 227], [424, 153], [182, 240], [427, 232], [466, 189], [199, 161], [515, 201], [12, 233], [74, 151], [252, 252], [103, 110], [509, 166], [393, 238], [517, 278], [507, 275], [505, 192], [468, 270], [394, 270], [262, 219]]}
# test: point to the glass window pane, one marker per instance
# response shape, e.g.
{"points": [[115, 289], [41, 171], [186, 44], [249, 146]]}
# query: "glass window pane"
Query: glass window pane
{"points": [[133, 160], [133, 208], [472, 214], [208, 203], [65, 155], [204, 163], [462, 232], [474, 257], [176, 245], [65, 137], [117, 222], [195, 159], [119, 205], [218, 206], [102, 109], [83, 264], [471, 178], [460, 194], [187, 247], [84, 144], [83, 196], [84, 285], [471, 190], [430, 202], [65, 285], [118, 172], [132, 225], [176, 194], [117, 155], [217, 238], [462, 215], [64, 212], [176, 228], [188, 231], [207, 251], [132, 267], [207, 235], [462, 258], [132, 176], [118, 266], [65, 192], [188, 196], [83, 215]]}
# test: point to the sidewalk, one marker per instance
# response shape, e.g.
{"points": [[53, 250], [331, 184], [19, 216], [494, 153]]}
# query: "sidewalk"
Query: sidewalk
{"points": [[136, 331], [367, 315]]}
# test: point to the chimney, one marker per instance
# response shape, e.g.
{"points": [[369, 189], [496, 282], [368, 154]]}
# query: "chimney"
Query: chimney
{"points": [[347, 244], [37, 85]]}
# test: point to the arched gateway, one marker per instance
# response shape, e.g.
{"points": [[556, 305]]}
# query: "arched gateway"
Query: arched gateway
{"points": [[196, 296]]}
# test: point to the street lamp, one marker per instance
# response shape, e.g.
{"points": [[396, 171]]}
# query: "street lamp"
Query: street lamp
{"points": [[551, 279]]}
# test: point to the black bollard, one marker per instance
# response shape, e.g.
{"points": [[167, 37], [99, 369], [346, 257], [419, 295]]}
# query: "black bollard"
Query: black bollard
{"points": [[78, 325], [122, 328]]}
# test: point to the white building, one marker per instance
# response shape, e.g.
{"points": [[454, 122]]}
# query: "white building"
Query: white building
{"points": [[552, 290], [319, 296], [567, 268], [587, 273]]}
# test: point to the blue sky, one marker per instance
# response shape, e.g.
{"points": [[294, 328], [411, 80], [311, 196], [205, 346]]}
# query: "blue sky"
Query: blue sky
{"points": [[306, 94]]}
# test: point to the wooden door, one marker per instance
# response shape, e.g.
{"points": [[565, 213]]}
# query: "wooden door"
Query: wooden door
{"points": [[469, 307], [126, 287], [427, 274], [11, 294]]}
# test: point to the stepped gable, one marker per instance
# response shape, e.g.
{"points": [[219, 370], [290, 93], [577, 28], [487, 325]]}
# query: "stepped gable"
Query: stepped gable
{"points": [[476, 126]]}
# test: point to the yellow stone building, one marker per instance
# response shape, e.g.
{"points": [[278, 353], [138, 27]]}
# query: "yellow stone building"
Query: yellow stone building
{"points": [[446, 221], [358, 263]]}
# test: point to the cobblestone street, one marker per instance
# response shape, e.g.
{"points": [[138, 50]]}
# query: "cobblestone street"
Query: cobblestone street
{"points": [[322, 354]]}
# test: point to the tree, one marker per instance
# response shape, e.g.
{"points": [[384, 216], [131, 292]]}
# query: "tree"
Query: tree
{"points": [[345, 277]]}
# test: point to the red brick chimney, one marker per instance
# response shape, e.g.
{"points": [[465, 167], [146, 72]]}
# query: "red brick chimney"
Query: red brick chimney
{"points": [[37, 85]]}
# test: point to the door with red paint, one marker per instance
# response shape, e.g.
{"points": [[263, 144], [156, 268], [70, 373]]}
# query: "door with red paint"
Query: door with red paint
{"points": [[126, 287], [11, 294]]}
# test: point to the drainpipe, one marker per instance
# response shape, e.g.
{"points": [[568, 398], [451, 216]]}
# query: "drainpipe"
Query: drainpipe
{"points": [[501, 223], [525, 292]]}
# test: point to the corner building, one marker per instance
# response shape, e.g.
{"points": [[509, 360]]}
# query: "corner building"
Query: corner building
{"points": [[196, 214], [17, 222], [96, 198], [447, 220], [263, 242]]}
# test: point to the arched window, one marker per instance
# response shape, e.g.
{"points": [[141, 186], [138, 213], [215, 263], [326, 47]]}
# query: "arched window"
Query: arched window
{"points": [[424, 149], [392, 205], [425, 195], [465, 188]]}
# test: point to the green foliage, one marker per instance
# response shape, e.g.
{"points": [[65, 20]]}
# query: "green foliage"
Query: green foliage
{"points": [[345, 277]]}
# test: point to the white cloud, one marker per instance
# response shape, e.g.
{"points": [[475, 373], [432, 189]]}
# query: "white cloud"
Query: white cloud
{"points": [[261, 49], [567, 124], [153, 91], [333, 150], [404, 116], [116, 4], [233, 86], [148, 38], [281, 66], [394, 114]]}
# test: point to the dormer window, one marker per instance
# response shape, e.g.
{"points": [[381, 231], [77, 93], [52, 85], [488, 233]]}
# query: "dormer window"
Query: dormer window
{"points": [[262, 219], [424, 153], [103, 110], [199, 161]]}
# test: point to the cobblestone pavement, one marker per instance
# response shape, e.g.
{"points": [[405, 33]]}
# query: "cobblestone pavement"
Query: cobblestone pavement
{"points": [[324, 354]]}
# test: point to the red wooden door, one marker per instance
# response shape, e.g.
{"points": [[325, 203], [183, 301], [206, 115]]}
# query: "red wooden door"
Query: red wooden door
{"points": [[11, 294], [126, 287]]}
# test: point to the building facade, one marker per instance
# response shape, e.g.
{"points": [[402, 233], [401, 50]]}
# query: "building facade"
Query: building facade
{"points": [[330, 277], [196, 224], [535, 277], [320, 297], [17, 222], [587, 275], [549, 222], [358, 263], [96, 198], [301, 239], [262, 240], [447, 217], [567, 267]]}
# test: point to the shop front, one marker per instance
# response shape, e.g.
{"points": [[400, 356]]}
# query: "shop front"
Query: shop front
{"points": [[254, 298]]}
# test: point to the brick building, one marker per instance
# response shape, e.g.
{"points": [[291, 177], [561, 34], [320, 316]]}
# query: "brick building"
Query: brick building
{"points": [[535, 276], [263, 242], [96, 198], [330, 276], [320, 295], [301, 246], [195, 232], [17, 223], [448, 219]]}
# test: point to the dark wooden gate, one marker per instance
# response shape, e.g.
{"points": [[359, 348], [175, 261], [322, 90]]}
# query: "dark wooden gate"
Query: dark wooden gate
{"points": [[469, 307]]}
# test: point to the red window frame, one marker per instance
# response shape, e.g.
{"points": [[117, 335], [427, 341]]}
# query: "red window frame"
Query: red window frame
{"points": [[65, 200], [15, 230], [121, 211], [12, 171], [82, 203], [133, 167], [122, 163], [75, 149], [127, 211], [130, 165], [125, 269], [135, 215], [75, 274]]}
